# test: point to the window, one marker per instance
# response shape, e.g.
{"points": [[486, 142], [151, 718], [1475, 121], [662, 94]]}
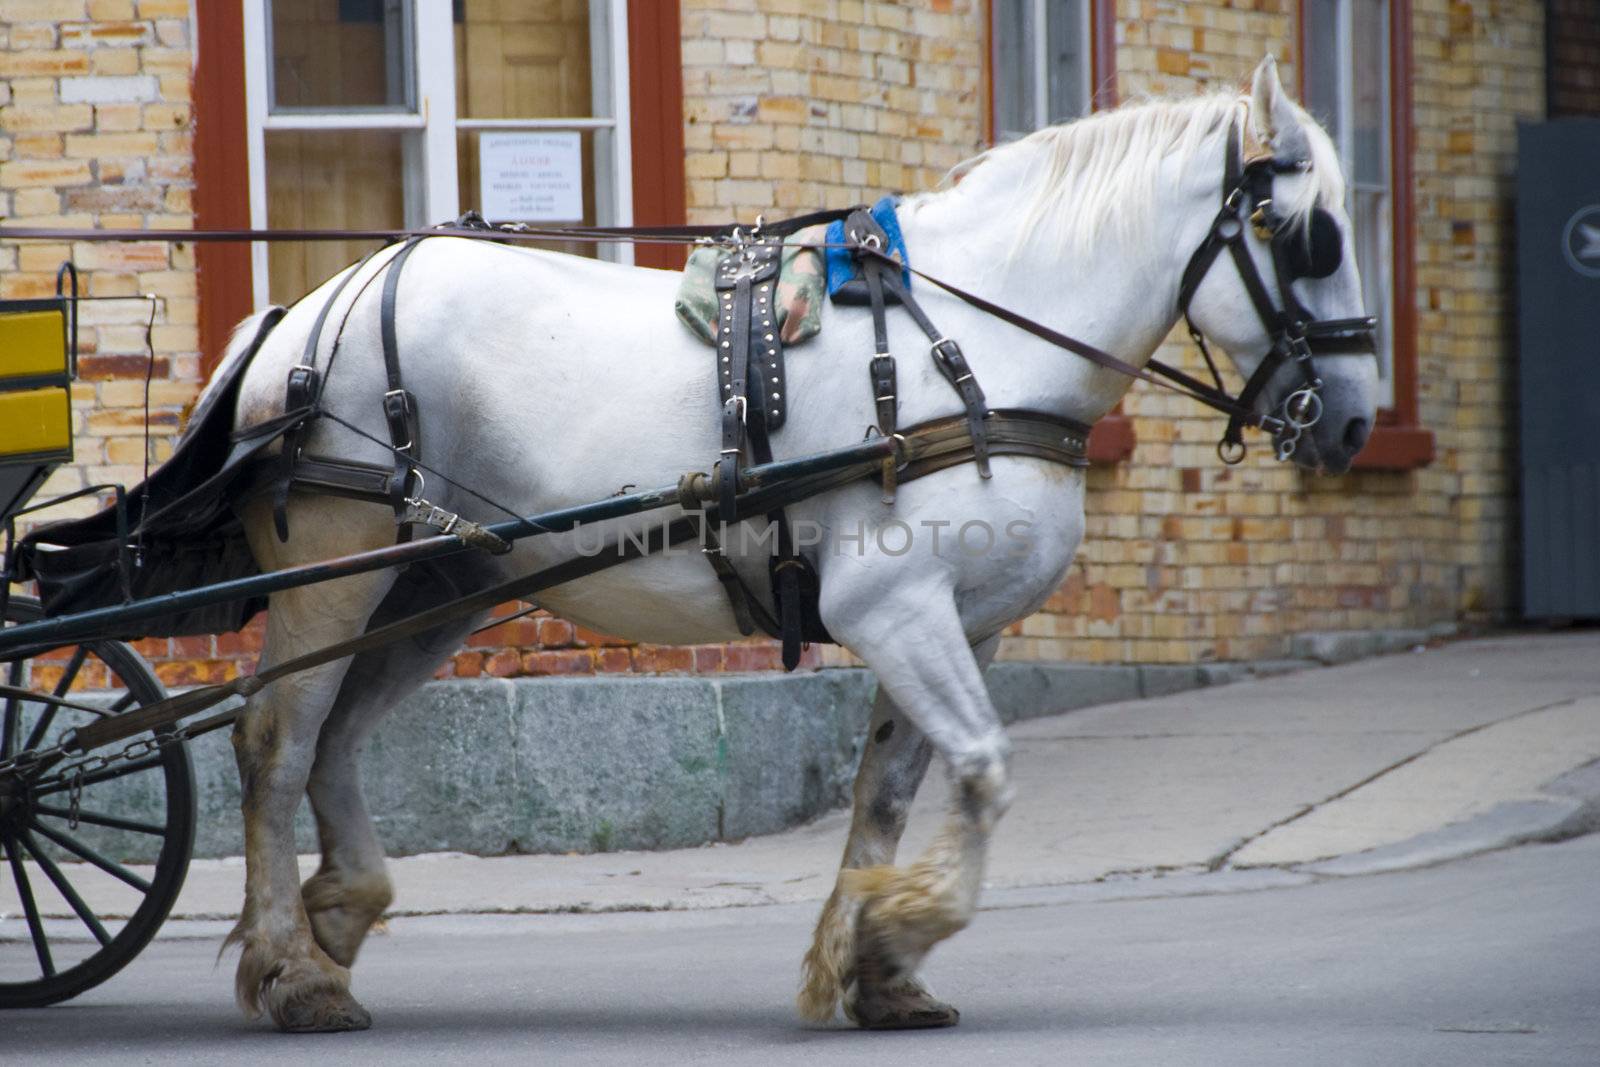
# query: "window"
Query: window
{"points": [[388, 113], [1041, 57], [1356, 75], [1347, 89]]}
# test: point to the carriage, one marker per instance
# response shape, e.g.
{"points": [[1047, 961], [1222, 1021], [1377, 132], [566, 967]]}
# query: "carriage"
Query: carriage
{"points": [[95, 778]]}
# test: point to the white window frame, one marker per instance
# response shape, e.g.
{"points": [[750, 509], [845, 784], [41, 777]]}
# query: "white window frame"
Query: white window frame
{"points": [[432, 188], [1345, 143], [1039, 63]]}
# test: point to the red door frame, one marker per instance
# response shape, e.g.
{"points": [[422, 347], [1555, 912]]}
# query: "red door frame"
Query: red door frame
{"points": [[221, 137]]}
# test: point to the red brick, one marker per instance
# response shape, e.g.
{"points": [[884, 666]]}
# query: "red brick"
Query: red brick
{"points": [[613, 660], [559, 661], [582, 636], [707, 658], [102, 368], [196, 647], [503, 664], [753, 656], [1104, 604], [247, 641], [556, 633], [468, 664], [196, 672], [662, 659]]}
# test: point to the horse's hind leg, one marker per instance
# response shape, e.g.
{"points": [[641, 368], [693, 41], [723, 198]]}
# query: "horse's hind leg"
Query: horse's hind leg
{"points": [[931, 674], [350, 889], [893, 762], [281, 966]]}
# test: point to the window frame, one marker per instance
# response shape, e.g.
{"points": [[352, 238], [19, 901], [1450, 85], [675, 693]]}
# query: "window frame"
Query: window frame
{"points": [[429, 126], [1112, 439], [1398, 441], [1099, 22], [646, 49]]}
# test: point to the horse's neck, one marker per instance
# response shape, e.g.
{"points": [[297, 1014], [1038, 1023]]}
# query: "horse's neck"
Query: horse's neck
{"points": [[1119, 296]]}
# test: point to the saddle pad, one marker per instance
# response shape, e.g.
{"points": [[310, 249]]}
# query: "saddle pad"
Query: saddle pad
{"points": [[801, 289], [842, 265]]}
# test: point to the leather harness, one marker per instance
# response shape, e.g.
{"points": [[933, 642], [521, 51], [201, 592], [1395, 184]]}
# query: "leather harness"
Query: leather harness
{"points": [[754, 401]]}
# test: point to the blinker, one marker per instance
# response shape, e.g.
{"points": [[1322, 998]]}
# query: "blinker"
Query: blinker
{"points": [[1314, 252]]}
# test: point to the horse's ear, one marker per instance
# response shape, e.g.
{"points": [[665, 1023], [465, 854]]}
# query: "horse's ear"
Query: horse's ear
{"points": [[1271, 112]]}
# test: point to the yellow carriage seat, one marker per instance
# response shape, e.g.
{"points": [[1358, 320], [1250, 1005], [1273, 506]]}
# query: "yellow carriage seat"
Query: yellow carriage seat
{"points": [[35, 395]]}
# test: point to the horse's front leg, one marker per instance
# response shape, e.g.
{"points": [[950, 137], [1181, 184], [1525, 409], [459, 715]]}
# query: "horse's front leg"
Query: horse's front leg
{"points": [[894, 761], [928, 671]]}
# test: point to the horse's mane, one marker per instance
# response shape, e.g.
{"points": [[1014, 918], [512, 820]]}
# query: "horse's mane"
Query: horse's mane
{"points": [[1084, 178]]}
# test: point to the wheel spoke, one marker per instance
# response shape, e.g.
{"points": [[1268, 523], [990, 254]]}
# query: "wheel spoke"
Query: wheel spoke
{"points": [[8, 732], [124, 702], [48, 715], [95, 818], [41, 944], [105, 774], [84, 852], [64, 887], [69, 674]]}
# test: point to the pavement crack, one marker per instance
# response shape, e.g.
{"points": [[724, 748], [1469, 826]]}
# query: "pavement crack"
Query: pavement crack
{"points": [[1221, 860]]}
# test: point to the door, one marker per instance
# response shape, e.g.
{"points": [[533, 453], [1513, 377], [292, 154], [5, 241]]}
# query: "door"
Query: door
{"points": [[1558, 268]]}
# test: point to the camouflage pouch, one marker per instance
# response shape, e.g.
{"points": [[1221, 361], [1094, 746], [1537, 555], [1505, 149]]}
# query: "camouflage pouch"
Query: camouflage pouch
{"points": [[802, 287]]}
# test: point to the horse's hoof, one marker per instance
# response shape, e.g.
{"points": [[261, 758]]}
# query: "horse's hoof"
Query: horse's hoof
{"points": [[905, 1006], [323, 1011]]}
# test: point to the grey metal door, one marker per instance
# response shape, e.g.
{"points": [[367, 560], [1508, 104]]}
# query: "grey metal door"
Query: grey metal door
{"points": [[1558, 266]]}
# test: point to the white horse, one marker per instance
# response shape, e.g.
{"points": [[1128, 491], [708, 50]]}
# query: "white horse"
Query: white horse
{"points": [[546, 380]]}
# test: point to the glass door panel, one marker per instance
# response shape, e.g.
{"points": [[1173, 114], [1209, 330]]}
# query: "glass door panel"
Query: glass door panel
{"points": [[523, 60], [535, 69], [340, 55], [346, 179]]}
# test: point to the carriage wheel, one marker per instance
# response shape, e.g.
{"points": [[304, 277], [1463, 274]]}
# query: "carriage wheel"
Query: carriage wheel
{"points": [[88, 874]]}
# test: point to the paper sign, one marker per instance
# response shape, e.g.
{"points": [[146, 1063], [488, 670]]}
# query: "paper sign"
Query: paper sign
{"points": [[530, 177]]}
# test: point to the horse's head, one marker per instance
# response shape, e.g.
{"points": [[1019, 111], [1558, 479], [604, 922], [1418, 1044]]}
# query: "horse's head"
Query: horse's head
{"points": [[1275, 284]]}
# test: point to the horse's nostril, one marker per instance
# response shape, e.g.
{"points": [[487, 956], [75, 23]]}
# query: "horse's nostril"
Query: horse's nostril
{"points": [[1355, 434]]}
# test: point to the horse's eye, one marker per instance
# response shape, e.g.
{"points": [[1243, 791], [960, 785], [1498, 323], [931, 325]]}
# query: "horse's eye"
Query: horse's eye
{"points": [[1317, 251]]}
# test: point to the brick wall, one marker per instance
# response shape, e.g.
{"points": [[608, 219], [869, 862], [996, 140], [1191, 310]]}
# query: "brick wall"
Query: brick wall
{"points": [[94, 131], [796, 105], [789, 109], [1187, 559]]}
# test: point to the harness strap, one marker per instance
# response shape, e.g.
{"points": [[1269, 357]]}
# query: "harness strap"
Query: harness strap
{"points": [[881, 371], [399, 406], [303, 390], [739, 599]]}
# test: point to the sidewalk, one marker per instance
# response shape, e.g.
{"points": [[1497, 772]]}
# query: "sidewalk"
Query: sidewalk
{"points": [[1395, 761]]}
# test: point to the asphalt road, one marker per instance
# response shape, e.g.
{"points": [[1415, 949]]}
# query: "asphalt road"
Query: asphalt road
{"points": [[1490, 960]]}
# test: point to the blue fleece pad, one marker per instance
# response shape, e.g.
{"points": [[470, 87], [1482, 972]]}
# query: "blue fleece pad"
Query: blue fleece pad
{"points": [[842, 265]]}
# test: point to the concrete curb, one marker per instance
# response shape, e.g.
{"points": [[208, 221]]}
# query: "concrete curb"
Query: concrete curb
{"points": [[1569, 807]]}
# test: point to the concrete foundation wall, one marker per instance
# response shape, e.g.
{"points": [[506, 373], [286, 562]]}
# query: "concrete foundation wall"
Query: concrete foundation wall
{"points": [[490, 766]]}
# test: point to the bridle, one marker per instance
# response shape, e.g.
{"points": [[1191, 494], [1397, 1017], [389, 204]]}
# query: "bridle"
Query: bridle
{"points": [[1310, 251]]}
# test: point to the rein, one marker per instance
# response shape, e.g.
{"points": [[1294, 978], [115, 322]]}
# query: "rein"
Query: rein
{"points": [[1158, 373]]}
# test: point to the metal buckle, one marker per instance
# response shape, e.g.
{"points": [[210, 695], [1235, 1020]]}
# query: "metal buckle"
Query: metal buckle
{"points": [[1263, 223]]}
